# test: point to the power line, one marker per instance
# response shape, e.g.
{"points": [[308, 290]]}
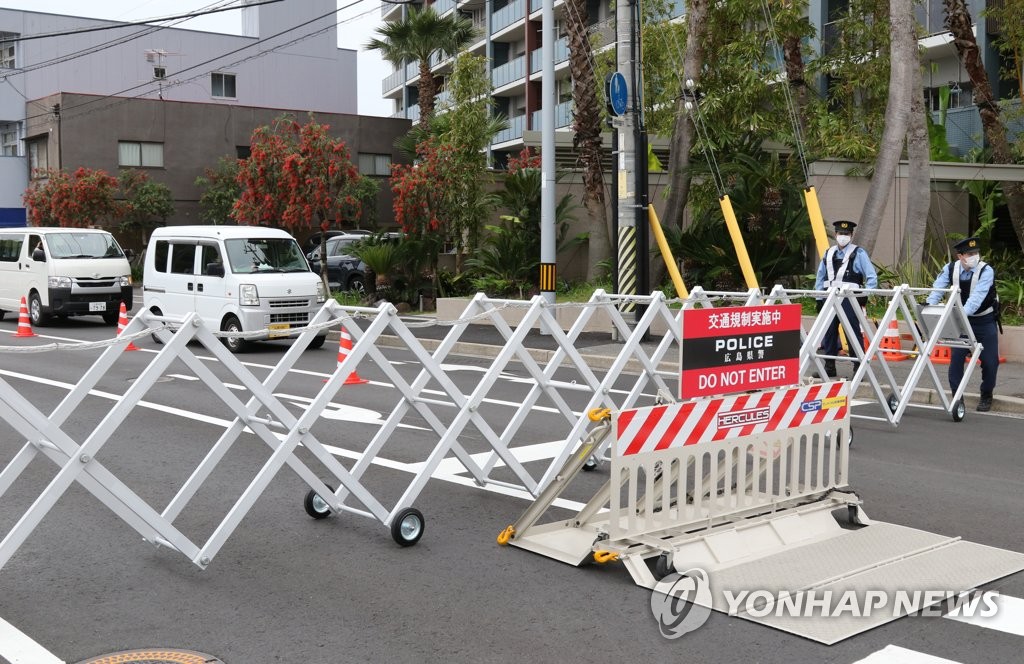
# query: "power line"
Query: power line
{"points": [[115, 26], [69, 112], [102, 46]]}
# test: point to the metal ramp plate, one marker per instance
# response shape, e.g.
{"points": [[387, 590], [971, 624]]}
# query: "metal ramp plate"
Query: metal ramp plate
{"points": [[882, 557]]}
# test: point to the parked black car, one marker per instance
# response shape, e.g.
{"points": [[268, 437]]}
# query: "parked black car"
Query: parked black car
{"points": [[313, 241], [345, 272]]}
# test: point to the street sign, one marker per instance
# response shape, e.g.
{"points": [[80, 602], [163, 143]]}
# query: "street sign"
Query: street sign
{"points": [[617, 92], [734, 349]]}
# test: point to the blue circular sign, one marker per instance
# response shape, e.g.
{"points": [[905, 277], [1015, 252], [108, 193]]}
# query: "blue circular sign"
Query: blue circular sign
{"points": [[618, 93]]}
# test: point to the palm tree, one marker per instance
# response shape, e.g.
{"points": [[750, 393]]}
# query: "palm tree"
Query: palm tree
{"points": [[587, 132], [415, 38]]}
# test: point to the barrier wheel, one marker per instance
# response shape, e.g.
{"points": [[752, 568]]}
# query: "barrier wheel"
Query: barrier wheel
{"points": [[894, 403], [853, 515], [590, 465], [959, 410], [156, 339], [316, 506], [407, 528], [662, 567]]}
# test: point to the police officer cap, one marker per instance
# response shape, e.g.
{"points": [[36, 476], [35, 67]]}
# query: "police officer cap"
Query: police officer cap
{"points": [[967, 245], [844, 226]]}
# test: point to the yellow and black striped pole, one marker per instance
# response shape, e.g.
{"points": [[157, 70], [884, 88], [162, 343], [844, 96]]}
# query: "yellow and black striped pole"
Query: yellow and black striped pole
{"points": [[547, 277]]}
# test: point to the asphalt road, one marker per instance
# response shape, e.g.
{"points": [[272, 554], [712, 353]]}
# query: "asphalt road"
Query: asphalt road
{"points": [[287, 588]]}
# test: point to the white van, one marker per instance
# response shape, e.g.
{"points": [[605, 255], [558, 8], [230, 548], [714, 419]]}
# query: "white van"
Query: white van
{"points": [[63, 272], [237, 278]]}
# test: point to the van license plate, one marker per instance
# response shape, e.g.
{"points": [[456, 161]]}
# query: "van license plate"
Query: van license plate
{"points": [[97, 306], [278, 330]]}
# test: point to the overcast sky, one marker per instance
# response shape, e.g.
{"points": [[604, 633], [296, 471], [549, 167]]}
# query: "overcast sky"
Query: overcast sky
{"points": [[358, 20]]}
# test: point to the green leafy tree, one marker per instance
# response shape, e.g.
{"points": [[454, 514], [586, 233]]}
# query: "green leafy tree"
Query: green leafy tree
{"points": [[416, 38], [147, 204], [220, 190]]}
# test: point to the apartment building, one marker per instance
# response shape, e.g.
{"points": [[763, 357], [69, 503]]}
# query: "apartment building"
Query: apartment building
{"points": [[171, 101]]}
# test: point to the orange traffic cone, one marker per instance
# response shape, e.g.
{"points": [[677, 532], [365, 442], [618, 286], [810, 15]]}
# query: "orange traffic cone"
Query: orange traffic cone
{"points": [[940, 355], [891, 342], [24, 324], [122, 322], [344, 346]]}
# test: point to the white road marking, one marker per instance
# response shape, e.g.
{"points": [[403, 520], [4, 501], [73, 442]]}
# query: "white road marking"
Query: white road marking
{"points": [[896, 655], [1009, 616], [17, 648]]}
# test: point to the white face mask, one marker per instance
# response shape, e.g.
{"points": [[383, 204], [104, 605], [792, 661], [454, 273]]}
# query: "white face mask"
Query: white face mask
{"points": [[971, 262], [843, 240]]}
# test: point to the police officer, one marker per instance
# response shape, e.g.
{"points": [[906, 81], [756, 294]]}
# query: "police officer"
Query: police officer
{"points": [[977, 281], [844, 263]]}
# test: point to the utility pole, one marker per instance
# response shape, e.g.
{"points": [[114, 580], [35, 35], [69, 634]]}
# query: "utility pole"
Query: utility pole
{"points": [[547, 155], [626, 107]]}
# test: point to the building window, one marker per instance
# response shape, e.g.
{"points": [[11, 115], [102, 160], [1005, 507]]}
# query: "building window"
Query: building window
{"points": [[374, 164], [159, 73], [7, 50], [222, 85], [37, 156], [9, 139], [137, 154]]}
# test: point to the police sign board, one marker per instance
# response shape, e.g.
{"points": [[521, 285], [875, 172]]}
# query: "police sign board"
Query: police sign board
{"points": [[735, 349]]}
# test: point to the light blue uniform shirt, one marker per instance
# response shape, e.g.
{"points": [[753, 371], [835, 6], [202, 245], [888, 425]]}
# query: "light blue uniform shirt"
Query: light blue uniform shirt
{"points": [[861, 263], [978, 293]]}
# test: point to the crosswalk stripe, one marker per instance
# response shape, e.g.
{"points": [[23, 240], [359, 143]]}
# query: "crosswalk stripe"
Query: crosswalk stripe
{"points": [[17, 648], [1009, 616]]}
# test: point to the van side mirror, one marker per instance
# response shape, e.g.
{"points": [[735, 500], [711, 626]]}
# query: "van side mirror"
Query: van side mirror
{"points": [[215, 269], [39, 255]]}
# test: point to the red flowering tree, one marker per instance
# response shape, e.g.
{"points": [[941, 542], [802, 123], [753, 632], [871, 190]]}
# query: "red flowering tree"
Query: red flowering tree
{"points": [[297, 177], [82, 198]]}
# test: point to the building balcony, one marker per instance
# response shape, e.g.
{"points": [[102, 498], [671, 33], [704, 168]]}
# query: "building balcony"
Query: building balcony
{"points": [[443, 6], [964, 132], [563, 116], [507, 15], [394, 80], [516, 127], [509, 72], [561, 55]]}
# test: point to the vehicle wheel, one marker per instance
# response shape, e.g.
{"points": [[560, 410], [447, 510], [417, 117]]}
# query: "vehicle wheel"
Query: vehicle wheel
{"points": [[111, 317], [2, 313], [662, 567], [234, 344], [959, 410], [317, 342], [356, 285], [316, 506], [407, 528], [35, 310], [894, 403]]}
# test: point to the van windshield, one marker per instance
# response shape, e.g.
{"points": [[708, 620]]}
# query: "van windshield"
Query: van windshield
{"points": [[257, 255], [83, 245]]}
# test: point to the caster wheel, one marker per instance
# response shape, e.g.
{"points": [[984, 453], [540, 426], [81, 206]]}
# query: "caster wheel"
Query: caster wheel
{"points": [[590, 465], [316, 506], [407, 527], [959, 410], [894, 403], [662, 567]]}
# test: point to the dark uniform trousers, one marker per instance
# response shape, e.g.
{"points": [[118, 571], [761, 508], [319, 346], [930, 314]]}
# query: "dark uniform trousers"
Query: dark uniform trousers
{"points": [[830, 342], [986, 332]]}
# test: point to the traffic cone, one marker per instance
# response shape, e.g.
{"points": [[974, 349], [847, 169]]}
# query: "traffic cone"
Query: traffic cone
{"points": [[940, 355], [344, 346], [122, 322], [24, 324], [891, 342]]}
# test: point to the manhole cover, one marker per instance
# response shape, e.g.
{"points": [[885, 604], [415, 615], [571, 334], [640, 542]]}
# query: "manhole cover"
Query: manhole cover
{"points": [[154, 656]]}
